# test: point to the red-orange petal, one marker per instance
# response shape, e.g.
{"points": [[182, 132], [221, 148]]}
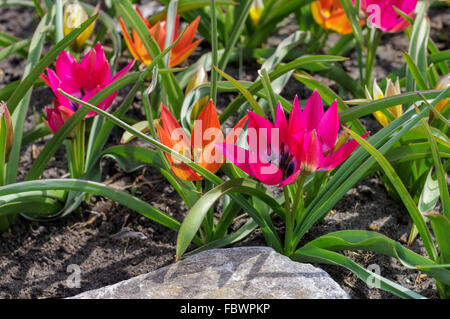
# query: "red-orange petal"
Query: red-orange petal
{"points": [[179, 168], [179, 140], [211, 158], [130, 44], [140, 49], [206, 127], [142, 17], [158, 33], [178, 57], [236, 131], [188, 36], [185, 172]]}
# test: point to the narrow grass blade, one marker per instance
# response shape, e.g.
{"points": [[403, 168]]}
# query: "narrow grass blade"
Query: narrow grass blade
{"points": [[403, 193], [313, 254], [441, 174], [99, 189], [246, 93], [420, 81]]}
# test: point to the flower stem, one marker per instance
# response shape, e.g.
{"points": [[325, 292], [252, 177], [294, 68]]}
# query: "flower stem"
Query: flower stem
{"points": [[373, 40], [207, 226], [78, 150], [292, 214], [298, 199], [289, 221]]}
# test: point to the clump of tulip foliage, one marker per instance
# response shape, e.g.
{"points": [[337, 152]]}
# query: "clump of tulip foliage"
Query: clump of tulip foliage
{"points": [[260, 154]]}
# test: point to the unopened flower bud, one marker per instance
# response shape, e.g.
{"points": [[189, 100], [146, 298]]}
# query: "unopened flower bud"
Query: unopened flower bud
{"points": [[74, 17], [443, 83], [5, 119], [200, 77], [256, 11], [391, 90]]}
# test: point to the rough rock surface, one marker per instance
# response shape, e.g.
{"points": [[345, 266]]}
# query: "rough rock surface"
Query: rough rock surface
{"points": [[238, 273]]}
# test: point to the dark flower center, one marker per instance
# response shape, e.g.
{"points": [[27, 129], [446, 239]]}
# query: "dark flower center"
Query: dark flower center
{"points": [[284, 160]]}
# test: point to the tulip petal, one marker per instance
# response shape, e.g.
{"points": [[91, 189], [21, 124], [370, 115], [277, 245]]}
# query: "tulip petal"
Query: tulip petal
{"points": [[188, 36], [317, 13], [329, 127], [65, 112], [296, 118], [335, 159], [175, 133], [142, 17], [64, 66], [313, 111], [291, 179], [158, 33], [179, 56], [179, 168], [206, 127], [185, 172], [206, 132], [54, 119], [281, 124], [339, 22], [211, 158], [250, 163], [122, 72], [233, 135], [130, 44], [259, 135], [140, 49], [311, 155]]}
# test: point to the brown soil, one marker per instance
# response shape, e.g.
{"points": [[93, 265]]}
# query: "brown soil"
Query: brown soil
{"points": [[34, 257]]}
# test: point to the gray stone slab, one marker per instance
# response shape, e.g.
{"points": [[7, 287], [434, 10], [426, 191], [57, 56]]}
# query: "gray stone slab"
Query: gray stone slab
{"points": [[237, 273]]}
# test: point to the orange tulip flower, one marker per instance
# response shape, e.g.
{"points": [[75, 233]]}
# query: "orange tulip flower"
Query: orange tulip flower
{"points": [[179, 52], [200, 148], [331, 16]]}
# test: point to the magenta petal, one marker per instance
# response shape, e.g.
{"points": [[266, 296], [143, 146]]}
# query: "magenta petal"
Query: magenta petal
{"points": [[291, 179], [295, 144], [329, 127], [311, 155], [390, 20], [45, 77], [248, 162], [54, 119], [64, 64], [122, 72], [235, 154], [281, 124], [102, 68], [259, 135], [89, 95], [313, 111], [296, 118], [340, 155], [266, 173], [53, 81], [94, 69]]}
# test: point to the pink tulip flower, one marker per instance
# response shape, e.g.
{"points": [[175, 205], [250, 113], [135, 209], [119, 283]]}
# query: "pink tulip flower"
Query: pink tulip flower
{"points": [[317, 133], [82, 80], [278, 153], [273, 148], [54, 117], [382, 14]]}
